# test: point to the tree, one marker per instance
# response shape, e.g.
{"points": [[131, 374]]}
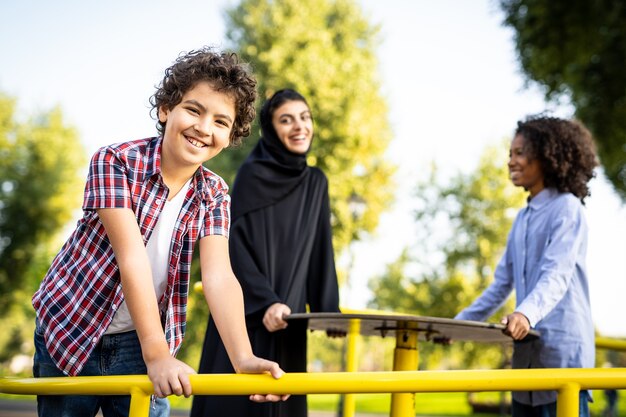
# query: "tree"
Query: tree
{"points": [[464, 224], [577, 49], [40, 188], [325, 49]]}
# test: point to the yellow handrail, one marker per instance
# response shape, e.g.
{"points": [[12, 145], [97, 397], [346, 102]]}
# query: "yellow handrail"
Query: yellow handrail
{"points": [[611, 344], [568, 382]]}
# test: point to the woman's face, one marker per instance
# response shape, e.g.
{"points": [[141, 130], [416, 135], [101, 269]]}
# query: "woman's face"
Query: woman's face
{"points": [[293, 124], [524, 169]]}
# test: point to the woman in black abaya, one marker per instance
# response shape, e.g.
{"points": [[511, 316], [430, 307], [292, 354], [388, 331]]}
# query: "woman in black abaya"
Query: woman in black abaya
{"points": [[281, 251]]}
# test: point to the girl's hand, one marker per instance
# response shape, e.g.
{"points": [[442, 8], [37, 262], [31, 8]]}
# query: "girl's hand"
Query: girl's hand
{"points": [[517, 325], [273, 319]]}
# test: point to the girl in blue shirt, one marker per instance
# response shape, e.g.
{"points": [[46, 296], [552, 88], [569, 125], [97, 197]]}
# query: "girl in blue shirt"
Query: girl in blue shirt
{"points": [[545, 257]]}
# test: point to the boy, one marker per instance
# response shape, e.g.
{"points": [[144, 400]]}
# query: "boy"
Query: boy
{"points": [[114, 299]]}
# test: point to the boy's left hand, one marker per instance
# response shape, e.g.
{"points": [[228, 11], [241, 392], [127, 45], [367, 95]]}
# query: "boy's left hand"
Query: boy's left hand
{"points": [[256, 365], [169, 376]]}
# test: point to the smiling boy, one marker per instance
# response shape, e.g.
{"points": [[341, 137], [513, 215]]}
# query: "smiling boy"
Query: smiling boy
{"points": [[114, 299]]}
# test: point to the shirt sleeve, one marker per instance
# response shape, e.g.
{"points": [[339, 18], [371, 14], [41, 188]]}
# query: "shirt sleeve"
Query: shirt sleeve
{"points": [[557, 265], [494, 296], [217, 211], [107, 182]]}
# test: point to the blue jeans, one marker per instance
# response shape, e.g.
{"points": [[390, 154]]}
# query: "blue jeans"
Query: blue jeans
{"points": [[548, 410], [117, 354]]}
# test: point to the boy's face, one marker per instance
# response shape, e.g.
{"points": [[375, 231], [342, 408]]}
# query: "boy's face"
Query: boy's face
{"points": [[198, 127], [524, 170]]}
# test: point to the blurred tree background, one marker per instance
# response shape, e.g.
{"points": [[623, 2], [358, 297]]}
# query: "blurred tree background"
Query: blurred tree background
{"points": [[576, 50], [40, 189], [461, 226], [326, 49]]}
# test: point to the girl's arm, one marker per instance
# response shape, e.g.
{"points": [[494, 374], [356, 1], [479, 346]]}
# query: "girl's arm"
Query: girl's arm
{"points": [[168, 374], [223, 294], [494, 295], [566, 247]]}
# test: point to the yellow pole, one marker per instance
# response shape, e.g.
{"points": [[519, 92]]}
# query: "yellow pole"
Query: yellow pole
{"points": [[568, 401], [139, 403], [405, 357], [611, 344], [568, 382], [352, 350]]}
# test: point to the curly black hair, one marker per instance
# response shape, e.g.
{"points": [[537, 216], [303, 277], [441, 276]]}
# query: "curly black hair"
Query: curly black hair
{"points": [[223, 71], [565, 150]]}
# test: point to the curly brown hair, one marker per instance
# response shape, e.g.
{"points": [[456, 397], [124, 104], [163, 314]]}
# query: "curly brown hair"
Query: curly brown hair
{"points": [[565, 150], [224, 71]]}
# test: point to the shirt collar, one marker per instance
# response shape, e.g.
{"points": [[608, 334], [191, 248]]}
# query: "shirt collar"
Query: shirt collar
{"points": [[202, 186], [541, 199], [153, 155]]}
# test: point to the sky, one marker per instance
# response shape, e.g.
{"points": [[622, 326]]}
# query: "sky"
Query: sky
{"points": [[448, 70]]}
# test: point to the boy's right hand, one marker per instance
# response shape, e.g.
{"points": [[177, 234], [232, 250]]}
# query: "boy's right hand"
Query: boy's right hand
{"points": [[254, 365], [169, 376]]}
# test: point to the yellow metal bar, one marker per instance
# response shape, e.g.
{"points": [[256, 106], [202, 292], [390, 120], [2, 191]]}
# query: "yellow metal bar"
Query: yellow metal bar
{"points": [[85, 385], [410, 381], [612, 344], [568, 401], [352, 352], [139, 403], [568, 382], [336, 382], [405, 357]]}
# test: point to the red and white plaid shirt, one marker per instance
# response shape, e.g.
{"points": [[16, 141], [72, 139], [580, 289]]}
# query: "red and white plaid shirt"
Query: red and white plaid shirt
{"points": [[81, 292]]}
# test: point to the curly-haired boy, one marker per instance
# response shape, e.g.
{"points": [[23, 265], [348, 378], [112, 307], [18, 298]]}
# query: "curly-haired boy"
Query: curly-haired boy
{"points": [[114, 299]]}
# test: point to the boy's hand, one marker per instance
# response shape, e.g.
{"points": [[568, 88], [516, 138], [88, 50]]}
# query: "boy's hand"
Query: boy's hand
{"points": [[170, 376], [273, 319], [256, 365]]}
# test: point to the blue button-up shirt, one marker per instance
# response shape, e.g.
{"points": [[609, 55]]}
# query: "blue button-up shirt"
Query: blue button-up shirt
{"points": [[545, 261]]}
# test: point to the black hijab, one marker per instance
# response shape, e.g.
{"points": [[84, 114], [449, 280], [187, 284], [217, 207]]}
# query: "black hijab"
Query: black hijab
{"points": [[271, 171]]}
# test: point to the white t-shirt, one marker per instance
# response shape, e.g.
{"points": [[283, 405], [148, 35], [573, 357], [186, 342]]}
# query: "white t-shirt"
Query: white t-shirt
{"points": [[158, 248]]}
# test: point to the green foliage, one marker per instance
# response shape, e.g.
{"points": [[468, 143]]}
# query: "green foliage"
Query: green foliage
{"points": [[325, 354], [325, 49], [40, 186], [577, 49], [463, 224]]}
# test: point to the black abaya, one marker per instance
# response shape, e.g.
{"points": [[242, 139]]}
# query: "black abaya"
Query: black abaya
{"points": [[281, 252]]}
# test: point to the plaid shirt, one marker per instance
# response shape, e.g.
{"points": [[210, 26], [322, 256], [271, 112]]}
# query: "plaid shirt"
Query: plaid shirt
{"points": [[80, 293]]}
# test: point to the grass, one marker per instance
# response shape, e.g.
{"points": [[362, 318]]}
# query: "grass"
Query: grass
{"points": [[425, 404], [454, 404]]}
